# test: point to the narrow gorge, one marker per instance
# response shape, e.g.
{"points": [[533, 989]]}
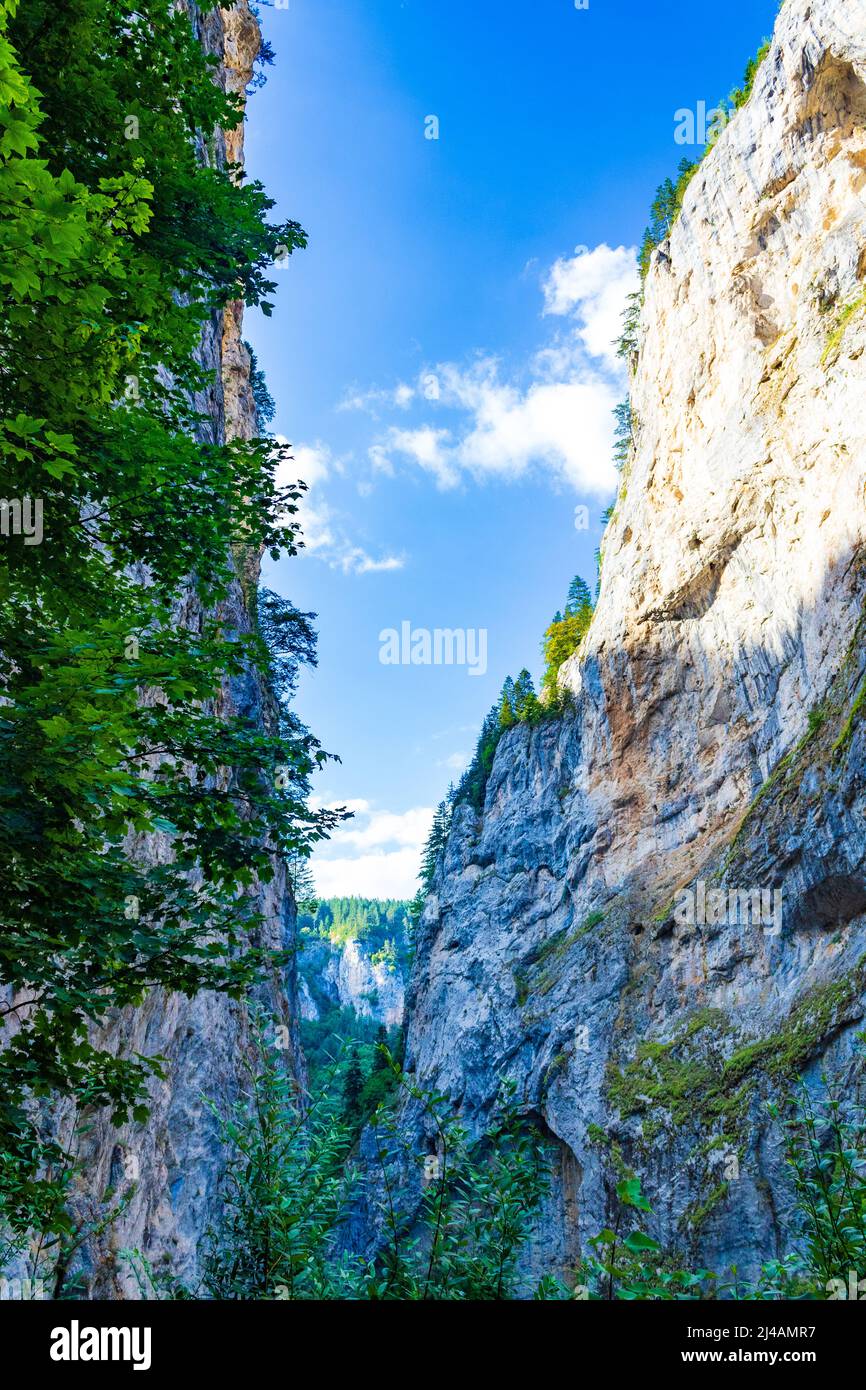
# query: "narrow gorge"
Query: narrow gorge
{"points": [[641, 928]]}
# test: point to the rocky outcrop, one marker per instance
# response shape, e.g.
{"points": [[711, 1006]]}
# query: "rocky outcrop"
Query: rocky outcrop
{"points": [[716, 741], [348, 975]]}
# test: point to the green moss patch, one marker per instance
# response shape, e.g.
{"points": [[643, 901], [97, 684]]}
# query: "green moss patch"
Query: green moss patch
{"points": [[689, 1081], [540, 971], [846, 314], [856, 711], [696, 1216]]}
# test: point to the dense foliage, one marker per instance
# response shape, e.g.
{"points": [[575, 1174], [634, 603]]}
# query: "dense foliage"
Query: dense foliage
{"points": [[121, 236], [455, 1213], [454, 1216], [565, 634], [381, 923]]}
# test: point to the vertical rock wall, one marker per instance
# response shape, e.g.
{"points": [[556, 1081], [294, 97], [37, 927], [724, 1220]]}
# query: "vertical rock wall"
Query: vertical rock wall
{"points": [[717, 736]]}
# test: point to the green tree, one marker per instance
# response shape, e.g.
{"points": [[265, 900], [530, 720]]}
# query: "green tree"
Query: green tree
{"points": [[353, 1085], [628, 344], [436, 842], [380, 1083], [507, 715], [579, 597], [665, 210], [303, 882], [526, 703], [262, 398], [118, 246], [623, 434], [564, 636], [473, 784]]}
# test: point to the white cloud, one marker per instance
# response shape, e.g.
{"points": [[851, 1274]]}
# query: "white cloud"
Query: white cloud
{"points": [[592, 287], [358, 561], [376, 855], [455, 762], [388, 828], [565, 425], [392, 875], [429, 448], [321, 529], [558, 415], [400, 396]]}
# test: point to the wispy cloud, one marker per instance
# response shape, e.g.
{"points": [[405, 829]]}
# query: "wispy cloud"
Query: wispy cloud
{"points": [[556, 414], [455, 762], [374, 400], [323, 530], [430, 449]]}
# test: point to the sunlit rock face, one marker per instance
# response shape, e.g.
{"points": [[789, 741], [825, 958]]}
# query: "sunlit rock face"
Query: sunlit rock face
{"points": [[724, 661], [369, 987], [168, 1171], [348, 975]]}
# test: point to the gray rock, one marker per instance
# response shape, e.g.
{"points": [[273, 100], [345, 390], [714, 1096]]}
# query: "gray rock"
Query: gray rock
{"points": [[731, 610]]}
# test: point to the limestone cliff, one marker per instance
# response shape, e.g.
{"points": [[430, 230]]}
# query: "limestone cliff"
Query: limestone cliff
{"points": [[350, 975], [716, 737]]}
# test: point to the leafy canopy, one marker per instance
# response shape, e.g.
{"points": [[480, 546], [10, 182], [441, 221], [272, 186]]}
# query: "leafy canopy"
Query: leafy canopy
{"points": [[123, 636]]}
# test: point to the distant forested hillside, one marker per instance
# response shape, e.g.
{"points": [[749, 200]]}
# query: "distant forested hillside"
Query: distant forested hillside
{"points": [[354, 964], [383, 925]]}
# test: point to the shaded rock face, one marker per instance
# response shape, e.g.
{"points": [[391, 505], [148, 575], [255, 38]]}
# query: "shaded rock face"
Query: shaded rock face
{"points": [[716, 739], [169, 1170]]}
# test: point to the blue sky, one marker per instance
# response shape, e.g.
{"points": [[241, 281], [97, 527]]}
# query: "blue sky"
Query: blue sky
{"points": [[440, 354]]}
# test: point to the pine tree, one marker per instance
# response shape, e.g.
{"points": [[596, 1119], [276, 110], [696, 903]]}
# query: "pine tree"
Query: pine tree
{"points": [[381, 1081], [525, 698], [353, 1085], [436, 842], [303, 883], [623, 434], [579, 597], [628, 344], [380, 1059], [473, 783], [506, 705], [665, 210], [262, 398]]}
